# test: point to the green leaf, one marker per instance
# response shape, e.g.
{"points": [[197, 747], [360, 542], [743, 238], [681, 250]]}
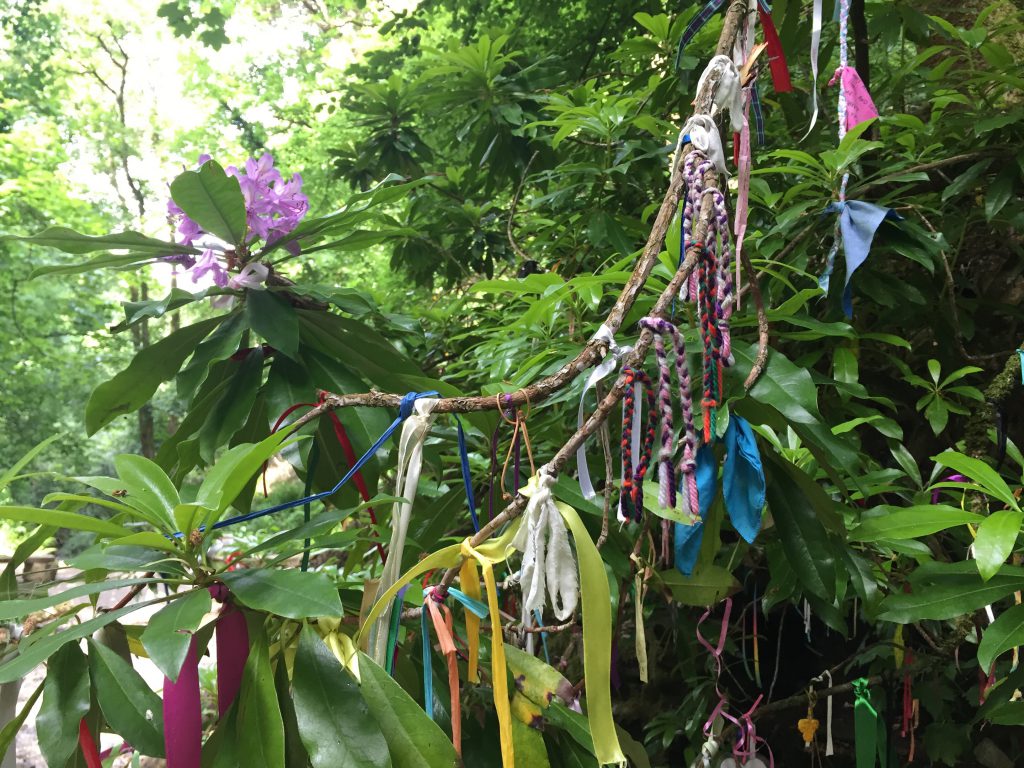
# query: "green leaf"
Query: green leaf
{"points": [[999, 193], [414, 740], [148, 486], [334, 721], [213, 200], [997, 536], [234, 406], [705, 587], [9, 733], [1005, 633], [169, 632], [293, 594], [61, 519], [802, 535], [129, 706], [234, 469], [39, 651], [948, 594], [133, 387], [18, 609], [911, 522], [260, 726], [69, 241], [221, 344], [981, 473], [273, 318], [66, 700], [11, 474], [134, 311]]}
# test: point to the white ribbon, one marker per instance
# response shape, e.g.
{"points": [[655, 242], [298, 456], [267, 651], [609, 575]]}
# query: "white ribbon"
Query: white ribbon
{"points": [[609, 364], [704, 136], [407, 478], [727, 95], [548, 562], [830, 747], [815, 43]]}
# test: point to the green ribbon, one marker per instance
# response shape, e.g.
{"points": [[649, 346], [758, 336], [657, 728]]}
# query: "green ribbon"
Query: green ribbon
{"points": [[869, 728]]}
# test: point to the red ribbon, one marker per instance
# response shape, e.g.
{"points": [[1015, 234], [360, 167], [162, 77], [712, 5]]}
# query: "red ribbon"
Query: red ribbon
{"points": [[776, 56], [88, 745]]}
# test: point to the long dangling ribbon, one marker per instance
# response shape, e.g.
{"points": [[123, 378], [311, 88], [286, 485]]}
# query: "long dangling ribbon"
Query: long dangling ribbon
{"points": [[815, 44], [467, 479], [696, 25], [232, 640], [90, 752], [407, 477], [445, 638], [776, 56], [607, 366]]}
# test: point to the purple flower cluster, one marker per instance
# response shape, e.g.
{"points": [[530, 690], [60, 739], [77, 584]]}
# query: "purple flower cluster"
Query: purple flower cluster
{"points": [[273, 208]]}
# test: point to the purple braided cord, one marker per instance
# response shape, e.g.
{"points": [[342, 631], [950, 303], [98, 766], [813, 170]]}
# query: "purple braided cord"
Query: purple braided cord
{"points": [[666, 473]]}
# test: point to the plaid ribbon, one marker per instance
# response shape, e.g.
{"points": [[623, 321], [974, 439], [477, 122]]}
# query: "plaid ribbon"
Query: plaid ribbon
{"points": [[696, 25]]}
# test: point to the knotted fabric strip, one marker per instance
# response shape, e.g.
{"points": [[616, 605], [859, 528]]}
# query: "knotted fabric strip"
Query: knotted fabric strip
{"points": [[727, 95], [407, 477], [607, 366], [548, 560]]}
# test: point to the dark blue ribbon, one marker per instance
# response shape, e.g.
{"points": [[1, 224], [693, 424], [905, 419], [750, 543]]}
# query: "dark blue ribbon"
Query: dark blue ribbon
{"points": [[404, 412], [755, 103], [467, 480]]}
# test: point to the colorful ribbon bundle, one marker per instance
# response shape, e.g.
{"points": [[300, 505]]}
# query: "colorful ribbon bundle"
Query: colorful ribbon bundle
{"points": [[710, 285]]}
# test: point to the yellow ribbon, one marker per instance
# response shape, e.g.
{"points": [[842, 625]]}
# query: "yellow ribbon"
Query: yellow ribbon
{"points": [[470, 581], [499, 679]]}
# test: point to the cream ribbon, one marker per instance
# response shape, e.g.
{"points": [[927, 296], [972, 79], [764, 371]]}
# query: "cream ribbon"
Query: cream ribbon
{"points": [[407, 478]]}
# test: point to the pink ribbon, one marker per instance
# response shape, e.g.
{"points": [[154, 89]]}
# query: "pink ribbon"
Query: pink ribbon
{"points": [[859, 106], [183, 716], [744, 165]]}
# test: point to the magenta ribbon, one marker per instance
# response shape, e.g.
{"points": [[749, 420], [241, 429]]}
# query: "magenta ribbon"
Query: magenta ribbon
{"points": [[232, 650], [859, 106], [183, 716]]}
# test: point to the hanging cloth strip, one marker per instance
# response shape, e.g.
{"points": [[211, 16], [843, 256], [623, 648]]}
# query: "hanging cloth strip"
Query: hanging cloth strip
{"points": [[743, 486], [407, 477], [636, 455], [688, 464], [603, 369], [548, 560]]}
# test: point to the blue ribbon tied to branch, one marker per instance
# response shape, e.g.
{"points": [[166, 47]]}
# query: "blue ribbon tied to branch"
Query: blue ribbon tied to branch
{"points": [[858, 222]]}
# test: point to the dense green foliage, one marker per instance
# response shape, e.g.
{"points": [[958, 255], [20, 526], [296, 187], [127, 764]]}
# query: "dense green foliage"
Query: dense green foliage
{"points": [[481, 177]]}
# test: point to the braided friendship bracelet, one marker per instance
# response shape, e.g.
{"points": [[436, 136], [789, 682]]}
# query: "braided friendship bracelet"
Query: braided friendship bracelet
{"points": [[631, 496], [710, 286], [687, 466]]}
